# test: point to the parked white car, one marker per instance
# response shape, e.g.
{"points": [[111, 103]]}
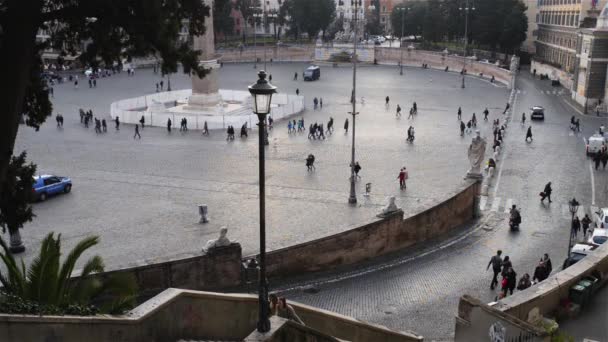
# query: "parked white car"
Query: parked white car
{"points": [[598, 237], [594, 144]]}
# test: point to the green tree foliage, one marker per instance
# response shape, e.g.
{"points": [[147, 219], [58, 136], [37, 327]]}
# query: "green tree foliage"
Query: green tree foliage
{"points": [[113, 30], [248, 8], [223, 23], [15, 208], [497, 24], [415, 14], [47, 280], [309, 16]]}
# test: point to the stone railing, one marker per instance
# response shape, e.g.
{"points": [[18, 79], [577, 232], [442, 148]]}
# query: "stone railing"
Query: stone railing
{"points": [[378, 238], [298, 53], [547, 295], [183, 314], [219, 268]]}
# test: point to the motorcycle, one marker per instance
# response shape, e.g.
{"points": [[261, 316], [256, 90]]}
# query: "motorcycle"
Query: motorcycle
{"points": [[514, 220]]}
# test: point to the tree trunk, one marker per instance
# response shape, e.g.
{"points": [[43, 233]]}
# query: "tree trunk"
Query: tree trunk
{"points": [[16, 245], [19, 35]]}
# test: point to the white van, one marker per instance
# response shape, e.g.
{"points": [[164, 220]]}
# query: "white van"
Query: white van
{"points": [[594, 144]]}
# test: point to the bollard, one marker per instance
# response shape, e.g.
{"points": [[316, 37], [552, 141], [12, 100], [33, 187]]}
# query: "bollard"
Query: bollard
{"points": [[368, 189], [203, 211]]}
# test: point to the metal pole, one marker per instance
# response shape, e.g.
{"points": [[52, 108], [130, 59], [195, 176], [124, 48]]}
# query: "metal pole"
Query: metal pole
{"points": [[466, 40], [255, 34], [264, 24], [570, 239], [401, 41], [263, 321], [353, 195]]}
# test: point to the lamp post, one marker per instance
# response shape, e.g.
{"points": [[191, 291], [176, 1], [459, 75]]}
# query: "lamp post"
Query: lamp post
{"points": [[573, 206], [262, 94], [402, 11], [466, 39]]}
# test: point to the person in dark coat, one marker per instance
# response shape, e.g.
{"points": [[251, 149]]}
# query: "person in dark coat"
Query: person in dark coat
{"points": [[169, 125], [511, 280], [585, 222], [529, 134], [462, 128], [506, 264], [524, 282], [576, 226], [346, 126], [546, 193], [496, 262]]}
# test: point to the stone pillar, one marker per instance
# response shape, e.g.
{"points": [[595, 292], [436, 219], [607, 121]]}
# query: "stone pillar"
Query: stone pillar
{"points": [[205, 90]]}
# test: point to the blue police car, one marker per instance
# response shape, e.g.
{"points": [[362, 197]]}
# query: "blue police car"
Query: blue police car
{"points": [[48, 185]]}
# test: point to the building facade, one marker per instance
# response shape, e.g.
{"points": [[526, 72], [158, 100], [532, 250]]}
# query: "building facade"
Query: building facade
{"points": [[558, 23], [589, 79], [532, 13]]}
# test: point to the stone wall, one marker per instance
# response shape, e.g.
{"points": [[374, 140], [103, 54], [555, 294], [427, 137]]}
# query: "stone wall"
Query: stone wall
{"points": [[547, 295], [378, 238], [476, 319], [183, 314], [220, 268], [554, 73]]}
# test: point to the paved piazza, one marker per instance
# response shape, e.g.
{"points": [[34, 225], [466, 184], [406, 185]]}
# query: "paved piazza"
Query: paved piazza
{"points": [[141, 196]]}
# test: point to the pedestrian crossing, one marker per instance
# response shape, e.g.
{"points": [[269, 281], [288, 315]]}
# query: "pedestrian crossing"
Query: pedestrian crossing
{"points": [[549, 92], [503, 205]]}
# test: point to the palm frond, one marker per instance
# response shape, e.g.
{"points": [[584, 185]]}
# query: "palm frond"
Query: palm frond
{"points": [[15, 282], [42, 273], [68, 264]]}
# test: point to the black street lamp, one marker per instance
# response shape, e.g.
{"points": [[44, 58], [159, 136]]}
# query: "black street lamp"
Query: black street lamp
{"points": [[573, 204], [262, 94]]}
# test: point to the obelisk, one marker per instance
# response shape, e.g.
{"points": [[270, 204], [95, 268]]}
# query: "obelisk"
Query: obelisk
{"points": [[205, 90]]}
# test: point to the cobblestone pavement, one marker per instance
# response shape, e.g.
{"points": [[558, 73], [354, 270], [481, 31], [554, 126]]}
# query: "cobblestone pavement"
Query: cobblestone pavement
{"points": [[421, 293], [141, 196]]}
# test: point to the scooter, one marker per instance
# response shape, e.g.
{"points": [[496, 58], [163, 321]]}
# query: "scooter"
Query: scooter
{"points": [[513, 225]]}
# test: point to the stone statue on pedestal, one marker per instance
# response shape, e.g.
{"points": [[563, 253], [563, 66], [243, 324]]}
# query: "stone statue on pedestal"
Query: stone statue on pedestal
{"points": [[476, 153], [390, 208], [219, 242]]}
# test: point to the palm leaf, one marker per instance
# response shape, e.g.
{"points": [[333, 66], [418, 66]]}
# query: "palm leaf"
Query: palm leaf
{"points": [[119, 293], [15, 281], [42, 273], [86, 286], [68, 266]]}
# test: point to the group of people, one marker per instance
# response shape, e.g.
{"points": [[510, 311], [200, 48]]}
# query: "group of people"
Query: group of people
{"points": [[578, 224], [508, 283], [318, 103], [316, 131], [85, 117], [601, 157], [294, 126]]}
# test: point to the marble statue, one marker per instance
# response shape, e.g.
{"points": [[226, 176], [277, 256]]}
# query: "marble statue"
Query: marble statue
{"points": [[219, 242], [476, 153], [390, 207]]}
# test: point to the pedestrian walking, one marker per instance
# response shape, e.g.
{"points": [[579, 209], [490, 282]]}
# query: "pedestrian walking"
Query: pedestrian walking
{"points": [[90, 83], [585, 222], [270, 78], [387, 100], [597, 158], [546, 193], [310, 162], [529, 134], [459, 114], [576, 226], [297, 91], [403, 176], [315, 102], [162, 84], [142, 121], [76, 84], [117, 123], [506, 108], [346, 126], [97, 126], [137, 132], [485, 114], [205, 129], [506, 264], [523, 118], [295, 76], [462, 128], [398, 113], [104, 125], [169, 123], [321, 102], [157, 87], [496, 262], [511, 277], [357, 168], [94, 83], [415, 107], [411, 113]]}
